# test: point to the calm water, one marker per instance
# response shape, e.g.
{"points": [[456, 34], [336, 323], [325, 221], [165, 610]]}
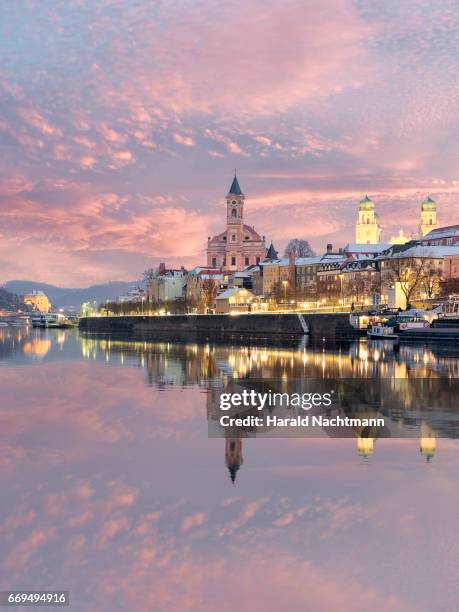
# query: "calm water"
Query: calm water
{"points": [[113, 490]]}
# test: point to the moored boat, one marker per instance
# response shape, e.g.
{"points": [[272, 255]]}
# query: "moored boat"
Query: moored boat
{"points": [[396, 326], [385, 331]]}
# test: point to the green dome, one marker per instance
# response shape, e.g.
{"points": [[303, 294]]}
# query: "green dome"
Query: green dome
{"points": [[429, 204], [366, 204]]}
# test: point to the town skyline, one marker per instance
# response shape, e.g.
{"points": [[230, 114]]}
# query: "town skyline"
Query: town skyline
{"points": [[120, 127]]}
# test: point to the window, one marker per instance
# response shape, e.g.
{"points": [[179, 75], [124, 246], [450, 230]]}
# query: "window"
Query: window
{"points": [[247, 238], [233, 237], [233, 261], [234, 213], [258, 260], [246, 261], [224, 237], [214, 262]]}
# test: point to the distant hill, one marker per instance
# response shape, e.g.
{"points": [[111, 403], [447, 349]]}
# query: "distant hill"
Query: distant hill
{"points": [[10, 301], [72, 298]]}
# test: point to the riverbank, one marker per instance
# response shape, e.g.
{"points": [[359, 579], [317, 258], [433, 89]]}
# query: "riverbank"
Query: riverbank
{"points": [[317, 325]]}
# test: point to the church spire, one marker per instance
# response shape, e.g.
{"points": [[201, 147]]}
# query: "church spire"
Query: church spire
{"points": [[235, 189]]}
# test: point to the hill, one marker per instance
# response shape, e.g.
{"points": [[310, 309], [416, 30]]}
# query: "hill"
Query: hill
{"points": [[72, 298], [10, 301]]}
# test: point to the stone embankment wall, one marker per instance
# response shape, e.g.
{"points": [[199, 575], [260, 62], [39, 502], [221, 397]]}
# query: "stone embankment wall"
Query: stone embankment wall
{"points": [[333, 325]]}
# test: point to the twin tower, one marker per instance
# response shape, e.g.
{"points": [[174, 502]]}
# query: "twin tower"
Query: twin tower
{"points": [[368, 228]]}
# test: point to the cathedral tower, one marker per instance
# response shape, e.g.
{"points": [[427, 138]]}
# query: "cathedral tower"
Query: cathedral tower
{"points": [[367, 228], [428, 216]]}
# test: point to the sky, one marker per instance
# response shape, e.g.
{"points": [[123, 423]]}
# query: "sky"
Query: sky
{"points": [[121, 124]]}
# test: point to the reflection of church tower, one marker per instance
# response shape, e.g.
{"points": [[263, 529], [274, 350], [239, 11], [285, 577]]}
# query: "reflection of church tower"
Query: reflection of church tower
{"points": [[428, 216], [233, 454], [367, 228], [365, 446], [427, 442]]}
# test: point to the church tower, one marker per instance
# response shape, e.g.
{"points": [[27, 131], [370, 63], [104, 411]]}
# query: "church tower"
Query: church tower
{"points": [[428, 216], [234, 213], [367, 228], [239, 245], [233, 454]]}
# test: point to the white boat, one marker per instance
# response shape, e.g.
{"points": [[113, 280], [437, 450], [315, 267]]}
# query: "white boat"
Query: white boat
{"points": [[395, 326], [3, 324], [450, 308], [383, 331]]}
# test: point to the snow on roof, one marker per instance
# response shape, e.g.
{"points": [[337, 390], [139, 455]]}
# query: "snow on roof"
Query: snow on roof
{"points": [[230, 292], [442, 232], [423, 250], [366, 248], [276, 262], [307, 261]]}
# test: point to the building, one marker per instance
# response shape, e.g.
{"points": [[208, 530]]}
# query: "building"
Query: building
{"points": [[330, 280], [167, 284], [198, 278], [239, 245], [451, 267], [442, 236], [133, 296], [38, 301], [274, 271], [428, 216], [307, 269], [361, 281], [416, 269], [235, 299], [367, 229]]}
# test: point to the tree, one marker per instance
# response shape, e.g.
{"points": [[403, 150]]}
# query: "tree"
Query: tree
{"points": [[408, 274], [282, 292], [300, 247], [208, 294], [431, 280], [149, 274]]}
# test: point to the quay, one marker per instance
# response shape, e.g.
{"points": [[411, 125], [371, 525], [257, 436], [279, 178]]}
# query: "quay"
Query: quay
{"points": [[317, 325], [431, 335]]}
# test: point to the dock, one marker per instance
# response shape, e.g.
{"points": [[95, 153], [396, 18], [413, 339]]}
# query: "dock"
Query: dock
{"points": [[431, 335]]}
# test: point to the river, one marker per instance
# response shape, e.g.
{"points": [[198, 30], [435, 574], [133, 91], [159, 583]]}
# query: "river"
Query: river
{"points": [[113, 490]]}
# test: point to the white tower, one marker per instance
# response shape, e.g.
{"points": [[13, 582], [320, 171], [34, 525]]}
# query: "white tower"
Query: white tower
{"points": [[367, 228]]}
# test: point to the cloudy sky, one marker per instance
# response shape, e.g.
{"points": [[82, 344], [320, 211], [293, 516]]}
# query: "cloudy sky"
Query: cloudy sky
{"points": [[121, 123]]}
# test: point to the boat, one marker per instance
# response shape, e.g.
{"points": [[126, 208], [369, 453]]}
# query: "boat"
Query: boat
{"points": [[38, 321], [396, 326], [52, 321], [385, 331]]}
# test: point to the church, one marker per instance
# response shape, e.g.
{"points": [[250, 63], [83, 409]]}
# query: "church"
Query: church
{"points": [[368, 227], [239, 245]]}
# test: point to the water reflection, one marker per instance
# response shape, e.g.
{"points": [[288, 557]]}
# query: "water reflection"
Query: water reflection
{"points": [[116, 492]]}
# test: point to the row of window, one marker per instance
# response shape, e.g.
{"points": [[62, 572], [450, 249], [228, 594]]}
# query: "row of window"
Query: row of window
{"points": [[234, 261], [234, 237]]}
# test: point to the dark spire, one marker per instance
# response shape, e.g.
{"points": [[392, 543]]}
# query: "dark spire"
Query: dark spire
{"points": [[235, 189], [272, 253], [233, 469]]}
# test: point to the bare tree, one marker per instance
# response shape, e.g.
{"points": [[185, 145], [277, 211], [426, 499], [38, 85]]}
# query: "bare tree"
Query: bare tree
{"points": [[149, 274], [431, 280], [300, 247], [208, 294], [408, 274]]}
